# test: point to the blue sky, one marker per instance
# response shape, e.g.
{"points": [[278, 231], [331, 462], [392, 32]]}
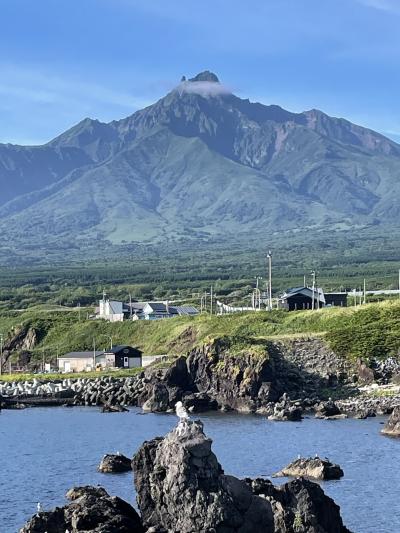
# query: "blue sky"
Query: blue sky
{"points": [[64, 60]]}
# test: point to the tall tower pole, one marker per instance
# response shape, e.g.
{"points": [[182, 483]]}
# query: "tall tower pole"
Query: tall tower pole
{"points": [[269, 256], [313, 289]]}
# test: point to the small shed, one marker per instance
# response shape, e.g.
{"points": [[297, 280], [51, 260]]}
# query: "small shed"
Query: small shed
{"points": [[120, 356], [77, 361], [336, 299]]}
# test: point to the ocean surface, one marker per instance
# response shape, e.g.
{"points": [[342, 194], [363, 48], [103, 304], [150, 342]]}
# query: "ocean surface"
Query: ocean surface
{"points": [[46, 451]]}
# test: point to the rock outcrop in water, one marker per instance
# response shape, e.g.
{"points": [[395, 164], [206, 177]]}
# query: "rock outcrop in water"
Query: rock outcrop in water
{"points": [[285, 410], [91, 510], [300, 506], [312, 467], [114, 464], [182, 487], [392, 426]]}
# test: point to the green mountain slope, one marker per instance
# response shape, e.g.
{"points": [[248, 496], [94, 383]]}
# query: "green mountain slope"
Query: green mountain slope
{"points": [[199, 163]]}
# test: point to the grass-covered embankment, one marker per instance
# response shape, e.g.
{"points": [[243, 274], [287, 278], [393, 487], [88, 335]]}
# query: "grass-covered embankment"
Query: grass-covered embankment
{"points": [[368, 331]]}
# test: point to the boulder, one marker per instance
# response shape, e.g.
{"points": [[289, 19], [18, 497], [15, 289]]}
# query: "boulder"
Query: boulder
{"points": [[182, 487], [284, 410], [300, 506], [91, 509], [115, 463], [392, 426], [314, 468], [328, 410]]}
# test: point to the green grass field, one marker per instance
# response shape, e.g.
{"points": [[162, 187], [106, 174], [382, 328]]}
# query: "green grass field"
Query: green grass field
{"points": [[370, 331]]}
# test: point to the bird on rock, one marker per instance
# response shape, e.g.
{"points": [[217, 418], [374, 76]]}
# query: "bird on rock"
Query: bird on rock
{"points": [[181, 412]]}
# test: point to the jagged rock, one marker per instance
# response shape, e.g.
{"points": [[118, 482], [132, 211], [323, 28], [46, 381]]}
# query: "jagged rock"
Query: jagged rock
{"points": [[328, 410], [181, 487], [301, 506], [91, 510], [284, 410], [88, 490], [115, 463], [314, 468], [241, 381], [362, 414], [392, 426], [158, 399], [199, 402]]}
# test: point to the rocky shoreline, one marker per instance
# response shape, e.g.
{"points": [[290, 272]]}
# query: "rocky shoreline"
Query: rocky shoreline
{"points": [[181, 486], [292, 380]]}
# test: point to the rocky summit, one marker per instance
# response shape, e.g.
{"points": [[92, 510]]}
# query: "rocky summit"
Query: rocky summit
{"points": [[199, 164]]}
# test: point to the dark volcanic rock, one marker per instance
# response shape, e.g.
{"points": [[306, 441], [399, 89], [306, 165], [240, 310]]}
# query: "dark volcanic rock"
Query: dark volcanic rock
{"points": [[241, 381], [91, 510], [301, 506], [181, 487], [115, 463], [328, 409], [284, 410], [114, 409], [392, 426], [312, 467]]}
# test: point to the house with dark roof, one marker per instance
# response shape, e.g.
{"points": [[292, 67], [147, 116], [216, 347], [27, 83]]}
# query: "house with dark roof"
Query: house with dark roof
{"points": [[302, 298], [120, 356], [306, 298]]}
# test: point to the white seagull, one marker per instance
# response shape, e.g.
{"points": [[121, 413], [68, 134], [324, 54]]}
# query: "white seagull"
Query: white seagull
{"points": [[181, 412]]}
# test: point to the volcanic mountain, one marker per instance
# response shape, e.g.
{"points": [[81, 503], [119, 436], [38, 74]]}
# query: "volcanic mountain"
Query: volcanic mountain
{"points": [[198, 164]]}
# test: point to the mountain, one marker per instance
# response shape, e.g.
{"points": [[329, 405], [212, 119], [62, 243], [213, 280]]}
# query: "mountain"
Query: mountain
{"points": [[200, 163]]}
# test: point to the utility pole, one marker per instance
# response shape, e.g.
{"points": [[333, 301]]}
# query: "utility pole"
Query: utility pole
{"points": [[79, 310], [1, 353], [94, 353], [130, 306], [211, 302], [269, 257], [399, 282], [313, 289], [304, 282], [364, 294]]}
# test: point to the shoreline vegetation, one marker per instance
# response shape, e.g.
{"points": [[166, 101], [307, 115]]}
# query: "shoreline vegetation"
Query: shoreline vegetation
{"points": [[369, 333]]}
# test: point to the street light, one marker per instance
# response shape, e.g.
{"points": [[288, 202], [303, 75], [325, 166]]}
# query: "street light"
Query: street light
{"points": [[1, 353], [269, 257]]}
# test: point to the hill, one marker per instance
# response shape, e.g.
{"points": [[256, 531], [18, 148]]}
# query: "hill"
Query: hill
{"points": [[199, 164], [367, 332]]}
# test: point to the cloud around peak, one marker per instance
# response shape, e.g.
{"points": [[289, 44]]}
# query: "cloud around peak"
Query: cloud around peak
{"points": [[205, 84]]}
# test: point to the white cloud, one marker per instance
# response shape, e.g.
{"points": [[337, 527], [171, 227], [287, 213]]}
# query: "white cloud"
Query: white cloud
{"points": [[392, 6], [203, 88]]}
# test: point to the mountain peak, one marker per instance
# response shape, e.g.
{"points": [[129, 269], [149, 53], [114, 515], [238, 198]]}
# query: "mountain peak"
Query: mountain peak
{"points": [[206, 75]]}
